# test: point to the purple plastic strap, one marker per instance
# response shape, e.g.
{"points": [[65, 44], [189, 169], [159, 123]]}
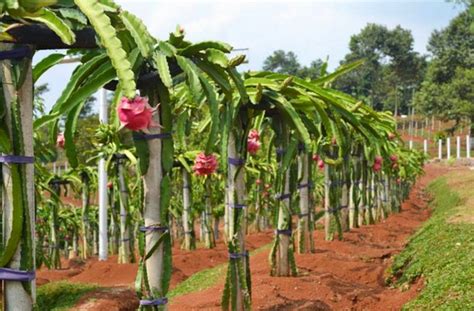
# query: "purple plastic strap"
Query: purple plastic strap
{"points": [[236, 162], [301, 147], [17, 53], [153, 228], [284, 196], [237, 205], [284, 231], [343, 206], [7, 274], [309, 185], [16, 159], [140, 136], [154, 302], [280, 151], [238, 255]]}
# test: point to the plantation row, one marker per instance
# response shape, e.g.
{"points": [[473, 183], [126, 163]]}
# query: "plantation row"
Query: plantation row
{"points": [[191, 140]]}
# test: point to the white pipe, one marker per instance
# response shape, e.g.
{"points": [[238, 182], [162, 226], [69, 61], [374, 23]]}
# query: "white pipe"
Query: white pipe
{"points": [[440, 149], [411, 144], [103, 200], [458, 147], [448, 148], [468, 146], [425, 146]]}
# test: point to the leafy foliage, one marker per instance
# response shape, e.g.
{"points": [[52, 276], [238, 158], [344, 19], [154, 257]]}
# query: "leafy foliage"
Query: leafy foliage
{"points": [[447, 90]]}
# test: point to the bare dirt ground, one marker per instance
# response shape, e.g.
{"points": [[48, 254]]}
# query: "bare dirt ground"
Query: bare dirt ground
{"points": [[341, 275]]}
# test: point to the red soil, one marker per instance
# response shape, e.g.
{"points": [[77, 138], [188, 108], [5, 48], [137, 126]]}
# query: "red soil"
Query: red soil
{"points": [[110, 273], [341, 275]]}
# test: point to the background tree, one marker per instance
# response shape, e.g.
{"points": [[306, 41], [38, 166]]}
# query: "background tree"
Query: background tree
{"points": [[391, 67], [447, 90], [287, 63]]}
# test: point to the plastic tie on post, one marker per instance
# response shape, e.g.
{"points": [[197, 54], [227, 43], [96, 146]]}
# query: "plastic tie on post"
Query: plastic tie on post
{"points": [[18, 53], [343, 206], [141, 136], [283, 232], [308, 185], [236, 161], [154, 302], [332, 210], [238, 255], [155, 228], [280, 151], [283, 196], [303, 214], [8, 274], [14, 159], [301, 147], [237, 205]]}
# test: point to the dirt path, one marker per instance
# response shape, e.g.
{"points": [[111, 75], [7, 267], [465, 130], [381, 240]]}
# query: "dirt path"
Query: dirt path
{"points": [[341, 275]]}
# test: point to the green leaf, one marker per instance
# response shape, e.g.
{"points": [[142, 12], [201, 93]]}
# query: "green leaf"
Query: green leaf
{"points": [[216, 73], [69, 133], [108, 37], [53, 22], [139, 32], [46, 63], [192, 77], [217, 57], [198, 47], [161, 65]]}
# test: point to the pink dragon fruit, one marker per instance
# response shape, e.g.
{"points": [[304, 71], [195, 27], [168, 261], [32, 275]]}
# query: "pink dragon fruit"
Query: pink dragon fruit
{"points": [[135, 114], [253, 142], [378, 160], [205, 164], [377, 167], [321, 164], [60, 140]]}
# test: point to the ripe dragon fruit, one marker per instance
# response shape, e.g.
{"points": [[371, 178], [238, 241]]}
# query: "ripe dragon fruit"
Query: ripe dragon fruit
{"points": [[60, 140], [135, 114], [321, 164], [253, 142], [205, 164], [377, 167]]}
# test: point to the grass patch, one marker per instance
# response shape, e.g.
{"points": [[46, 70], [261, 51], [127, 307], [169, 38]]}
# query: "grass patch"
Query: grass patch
{"points": [[207, 278], [61, 295], [442, 251]]}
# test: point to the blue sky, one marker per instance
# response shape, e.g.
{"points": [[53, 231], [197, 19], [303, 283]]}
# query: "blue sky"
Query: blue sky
{"points": [[312, 29]]}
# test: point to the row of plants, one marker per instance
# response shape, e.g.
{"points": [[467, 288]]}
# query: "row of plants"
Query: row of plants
{"points": [[257, 149]]}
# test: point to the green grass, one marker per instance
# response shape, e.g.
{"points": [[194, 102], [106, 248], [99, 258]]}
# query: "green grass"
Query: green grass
{"points": [[442, 251], [61, 295], [207, 278]]}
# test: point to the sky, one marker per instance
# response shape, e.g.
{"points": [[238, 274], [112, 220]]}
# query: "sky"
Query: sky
{"points": [[312, 29]]}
